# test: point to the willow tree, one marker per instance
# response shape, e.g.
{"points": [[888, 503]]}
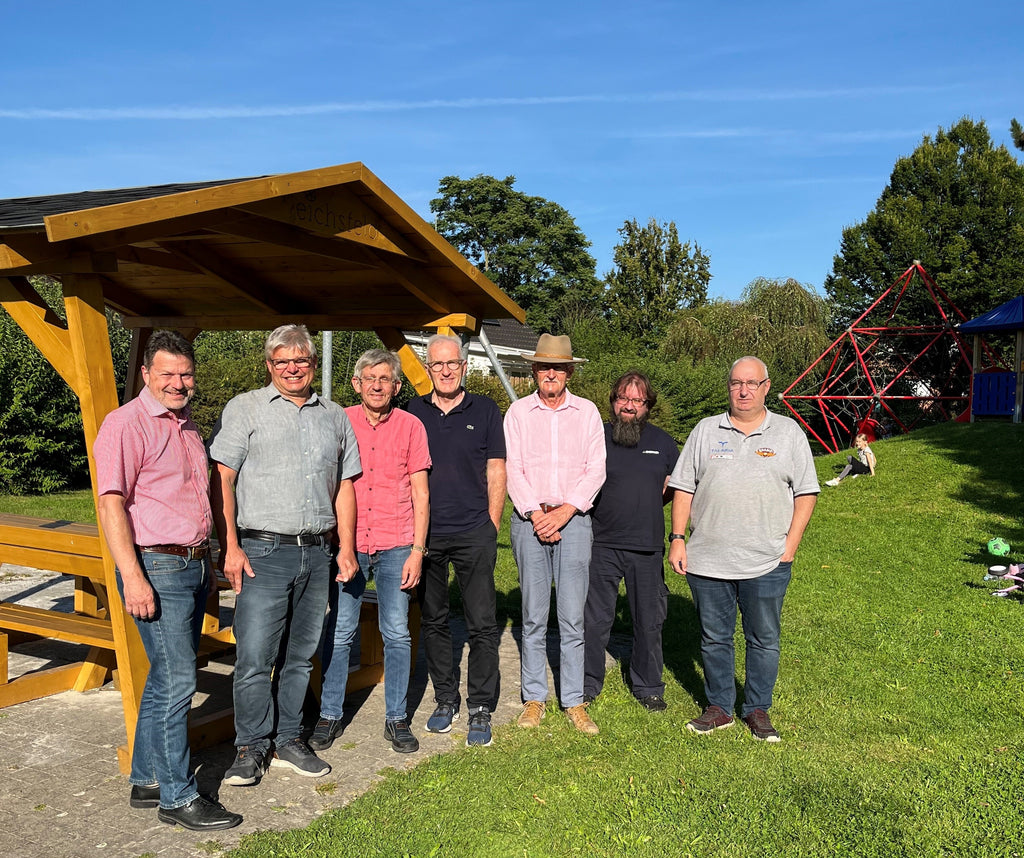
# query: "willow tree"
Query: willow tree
{"points": [[783, 322]]}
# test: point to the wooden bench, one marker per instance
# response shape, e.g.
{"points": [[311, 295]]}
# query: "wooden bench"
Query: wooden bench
{"points": [[73, 549]]}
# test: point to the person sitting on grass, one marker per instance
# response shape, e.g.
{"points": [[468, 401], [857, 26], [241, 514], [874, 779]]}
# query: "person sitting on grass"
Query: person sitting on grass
{"points": [[863, 464]]}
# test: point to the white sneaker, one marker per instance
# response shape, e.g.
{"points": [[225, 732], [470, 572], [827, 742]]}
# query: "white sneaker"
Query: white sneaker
{"points": [[832, 482]]}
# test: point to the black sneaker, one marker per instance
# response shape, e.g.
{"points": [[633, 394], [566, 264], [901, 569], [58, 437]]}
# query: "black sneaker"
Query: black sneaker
{"points": [[400, 736], [479, 728], [653, 703], [441, 720], [324, 733], [249, 766], [146, 795], [761, 726], [296, 755], [714, 718], [200, 814]]}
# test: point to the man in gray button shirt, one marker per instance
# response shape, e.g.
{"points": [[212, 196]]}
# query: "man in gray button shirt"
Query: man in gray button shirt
{"points": [[283, 461]]}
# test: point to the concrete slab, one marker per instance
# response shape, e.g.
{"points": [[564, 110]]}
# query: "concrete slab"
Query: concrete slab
{"points": [[61, 793]]}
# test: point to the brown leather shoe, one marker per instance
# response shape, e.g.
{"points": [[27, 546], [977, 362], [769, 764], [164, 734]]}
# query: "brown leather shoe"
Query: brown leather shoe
{"points": [[533, 712], [581, 720]]}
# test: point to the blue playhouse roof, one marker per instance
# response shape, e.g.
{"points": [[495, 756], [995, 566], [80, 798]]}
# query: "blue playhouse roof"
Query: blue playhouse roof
{"points": [[1005, 317]]}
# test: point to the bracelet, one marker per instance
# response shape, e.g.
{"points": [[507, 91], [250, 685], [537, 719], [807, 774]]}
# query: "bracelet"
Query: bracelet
{"points": [[421, 549], [673, 536]]}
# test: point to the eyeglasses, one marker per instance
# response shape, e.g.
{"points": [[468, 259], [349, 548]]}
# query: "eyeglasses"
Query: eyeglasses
{"points": [[385, 380], [300, 363], [636, 403], [748, 385], [545, 367], [450, 365]]}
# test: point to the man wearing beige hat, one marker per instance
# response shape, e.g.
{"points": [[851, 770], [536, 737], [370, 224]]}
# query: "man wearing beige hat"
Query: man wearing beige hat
{"points": [[556, 466]]}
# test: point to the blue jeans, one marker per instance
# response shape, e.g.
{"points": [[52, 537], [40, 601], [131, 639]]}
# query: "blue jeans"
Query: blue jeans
{"points": [[385, 567], [567, 564], [760, 604], [279, 617], [161, 751]]}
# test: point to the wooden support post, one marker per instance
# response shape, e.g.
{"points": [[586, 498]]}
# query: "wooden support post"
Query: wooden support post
{"points": [[411, 366], [97, 393]]}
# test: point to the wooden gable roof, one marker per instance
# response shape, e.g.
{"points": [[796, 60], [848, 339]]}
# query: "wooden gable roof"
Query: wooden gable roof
{"points": [[332, 248]]}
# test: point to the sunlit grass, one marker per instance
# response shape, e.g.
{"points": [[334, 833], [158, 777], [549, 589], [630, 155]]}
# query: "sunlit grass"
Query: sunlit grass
{"points": [[899, 702]]}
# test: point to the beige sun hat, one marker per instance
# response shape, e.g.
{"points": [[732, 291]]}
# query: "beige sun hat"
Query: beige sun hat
{"points": [[552, 349]]}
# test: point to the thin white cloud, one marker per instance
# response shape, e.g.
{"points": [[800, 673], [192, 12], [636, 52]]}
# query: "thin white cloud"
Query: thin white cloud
{"points": [[186, 112], [863, 136]]}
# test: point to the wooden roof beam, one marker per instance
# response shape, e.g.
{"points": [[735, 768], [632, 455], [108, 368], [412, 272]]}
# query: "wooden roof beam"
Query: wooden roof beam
{"points": [[151, 258], [159, 211], [129, 303], [41, 324], [412, 280], [348, 321], [270, 231], [243, 283]]}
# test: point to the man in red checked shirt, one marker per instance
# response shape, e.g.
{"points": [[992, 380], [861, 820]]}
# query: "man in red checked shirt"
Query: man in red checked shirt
{"points": [[154, 508]]}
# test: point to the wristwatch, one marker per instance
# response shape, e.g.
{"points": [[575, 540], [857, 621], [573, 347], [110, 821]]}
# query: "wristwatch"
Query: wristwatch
{"points": [[673, 536], [528, 515], [421, 549]]}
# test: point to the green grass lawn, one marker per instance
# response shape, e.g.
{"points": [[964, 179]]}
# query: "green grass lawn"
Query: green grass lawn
{"points": [[69, 506], [899, 702]]}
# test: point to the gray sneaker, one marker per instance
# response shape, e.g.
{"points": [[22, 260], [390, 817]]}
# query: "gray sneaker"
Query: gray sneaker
{"points": [[249, 766], [297, 756], [441, 720], [479, 728]]}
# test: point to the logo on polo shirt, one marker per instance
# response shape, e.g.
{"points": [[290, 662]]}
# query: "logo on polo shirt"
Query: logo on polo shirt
{"points": [[652, 452], [724, 451], [469, 426], [765, 452]]}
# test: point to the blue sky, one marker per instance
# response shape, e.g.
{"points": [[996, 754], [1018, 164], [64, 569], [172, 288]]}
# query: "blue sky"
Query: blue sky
{"points": [[761, 129]]}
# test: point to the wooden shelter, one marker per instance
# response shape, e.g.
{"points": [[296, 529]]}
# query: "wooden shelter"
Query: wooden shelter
{"points": [[333, 249]]}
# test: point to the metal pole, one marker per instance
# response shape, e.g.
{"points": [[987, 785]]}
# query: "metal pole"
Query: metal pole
{"points": [[489, 351], [327, 364]]}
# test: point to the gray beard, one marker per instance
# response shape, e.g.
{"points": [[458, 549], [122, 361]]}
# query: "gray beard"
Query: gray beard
{"points": [[626, 433]]}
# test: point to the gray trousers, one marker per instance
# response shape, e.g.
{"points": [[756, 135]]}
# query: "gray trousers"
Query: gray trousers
{"points": [[566, 564]]}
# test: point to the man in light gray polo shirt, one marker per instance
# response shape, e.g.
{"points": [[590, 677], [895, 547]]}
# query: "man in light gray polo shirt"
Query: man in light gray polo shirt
{"points": [[745, 483], [283, 462]]}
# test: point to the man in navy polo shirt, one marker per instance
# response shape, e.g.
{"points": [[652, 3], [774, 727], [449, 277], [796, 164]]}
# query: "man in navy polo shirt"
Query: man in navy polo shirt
{"points": [[467, 499], [629, 542]]}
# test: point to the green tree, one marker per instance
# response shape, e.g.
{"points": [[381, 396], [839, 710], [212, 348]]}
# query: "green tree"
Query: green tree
{"points": [[530, 246], [1017, 133], [42, 443], [654, 276], [957, 205]]}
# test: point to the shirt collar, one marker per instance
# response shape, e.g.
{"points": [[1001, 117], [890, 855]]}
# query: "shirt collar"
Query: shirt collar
{"points": [[271, 393], [463, 403], [570, 401], [153, 407], [725, 423]]}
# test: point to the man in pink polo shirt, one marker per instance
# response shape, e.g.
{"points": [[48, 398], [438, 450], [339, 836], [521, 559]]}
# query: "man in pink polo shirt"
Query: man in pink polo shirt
{"points": [[154, 508], [392, 511], [556, 466]]}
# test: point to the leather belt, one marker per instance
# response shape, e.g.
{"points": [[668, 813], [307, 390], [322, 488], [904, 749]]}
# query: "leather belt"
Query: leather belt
{"points": [[549, 507], [189, 552], [301, 539]]}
